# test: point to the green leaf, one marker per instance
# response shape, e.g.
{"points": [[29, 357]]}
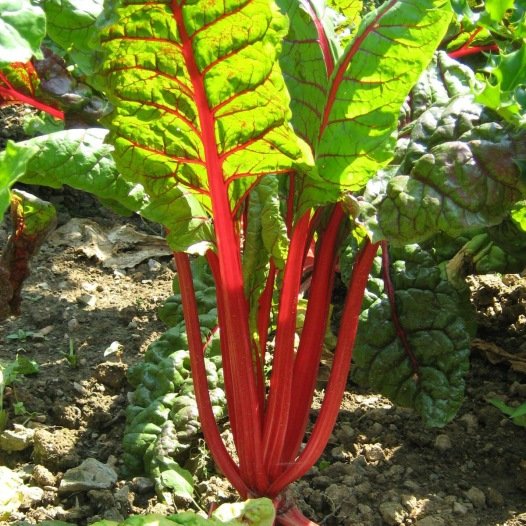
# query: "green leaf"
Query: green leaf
{"points": [[200, 103], [176, 479], [517, 414], [13, 165], [39, 217], [505, 89], [370, 82], [496, 9], [443, 79], [518, 214], [438, 323], [460, 173], [350, 11], [307, 60], [252, 512], [78, 158], [71, 24], [265, 239], [22, 28]]}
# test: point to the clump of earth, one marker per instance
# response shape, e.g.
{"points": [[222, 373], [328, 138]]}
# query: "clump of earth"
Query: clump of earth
{"points": [[85, 324]]}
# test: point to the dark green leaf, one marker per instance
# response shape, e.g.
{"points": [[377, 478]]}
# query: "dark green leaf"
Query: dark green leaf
{"points": [[437, 321]]}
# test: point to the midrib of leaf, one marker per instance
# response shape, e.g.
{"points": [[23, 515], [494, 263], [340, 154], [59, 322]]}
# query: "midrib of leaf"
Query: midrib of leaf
{"points": [[322, 37], [342, 68], [244, 404], [213, 163]]}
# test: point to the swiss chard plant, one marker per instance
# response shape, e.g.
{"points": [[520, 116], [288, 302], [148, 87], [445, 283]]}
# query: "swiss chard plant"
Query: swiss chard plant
{"points": [[201, 93], [269, 140]]}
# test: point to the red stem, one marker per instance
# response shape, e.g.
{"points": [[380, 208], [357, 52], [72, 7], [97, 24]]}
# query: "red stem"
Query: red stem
{"points": [[225, 356], [322, 37], [13, 95], [465, 51], [280, 392], [312, 336], [263, 322], [339, 373], [244, 399], [199, 376], [294, 517]]}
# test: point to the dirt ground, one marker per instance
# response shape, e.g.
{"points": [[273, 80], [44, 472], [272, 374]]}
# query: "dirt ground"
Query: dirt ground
{"points": [[382, 467]]}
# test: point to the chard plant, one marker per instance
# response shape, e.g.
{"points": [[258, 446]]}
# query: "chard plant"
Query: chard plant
{"points": [[201, 120], [263, 136]]}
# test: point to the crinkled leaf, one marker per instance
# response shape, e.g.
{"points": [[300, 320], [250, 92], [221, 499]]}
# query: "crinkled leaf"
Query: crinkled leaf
{"points": [[200, 103], [459, 173], [444, 79], [505, 89], [70, 24], [370, 82], [500, 249], [22, 28], [177, 480], [78, 158], [62, 88], [437, 321]]}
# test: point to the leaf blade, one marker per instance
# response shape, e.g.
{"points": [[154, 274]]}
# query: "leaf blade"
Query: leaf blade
{"points": [[202, 100], [396, 42], [22, 28]]}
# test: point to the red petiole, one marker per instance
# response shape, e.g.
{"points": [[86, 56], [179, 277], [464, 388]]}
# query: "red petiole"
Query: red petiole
{"points": [[8, 93]]}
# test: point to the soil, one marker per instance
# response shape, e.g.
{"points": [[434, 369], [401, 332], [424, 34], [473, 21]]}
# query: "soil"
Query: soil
{"points": [[381, 467]]}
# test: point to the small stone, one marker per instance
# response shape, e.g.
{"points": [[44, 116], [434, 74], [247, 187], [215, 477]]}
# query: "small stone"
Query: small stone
{"points": [[142, 485], [123, 497], [410, 502], [470, 421], [89, 287], [87, 300], [459, 508], [373, 452], [111, 374], [411, 485], [43, 477], [430, 520], [80, 389], [476, 496], [31, 495], [55, 450], [91, 474], [154, 266], [73, 325], [16, 439], [393, 513], [443, 442], [518, 389]]}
